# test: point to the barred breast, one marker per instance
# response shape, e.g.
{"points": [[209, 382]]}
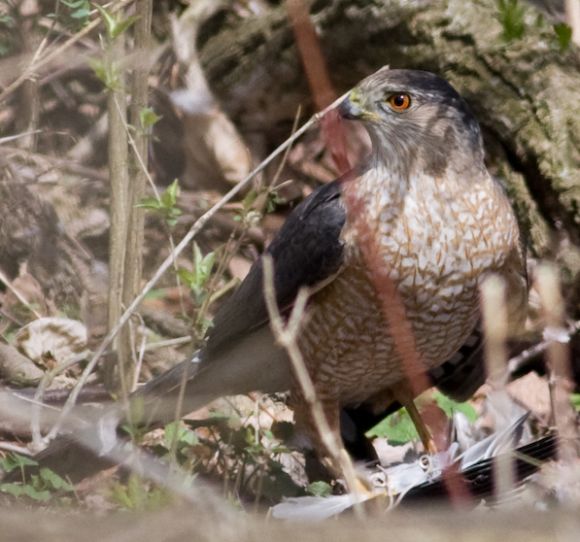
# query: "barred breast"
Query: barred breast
{"points": [[436, 242]]}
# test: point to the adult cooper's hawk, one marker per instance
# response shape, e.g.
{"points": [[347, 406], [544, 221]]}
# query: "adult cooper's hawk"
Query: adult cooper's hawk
{"points": [[421, 213], [424, 214]]}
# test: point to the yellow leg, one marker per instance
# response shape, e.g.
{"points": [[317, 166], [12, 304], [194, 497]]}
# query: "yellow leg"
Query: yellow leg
{"points": [[406, 399]]}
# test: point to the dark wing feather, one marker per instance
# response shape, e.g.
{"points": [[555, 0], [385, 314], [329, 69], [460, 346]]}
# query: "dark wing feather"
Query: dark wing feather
{"points": [[306, 251], [479, 478]]}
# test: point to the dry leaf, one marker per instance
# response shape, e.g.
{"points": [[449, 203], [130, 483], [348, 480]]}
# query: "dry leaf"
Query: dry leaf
{"points": [[61, 339], [16, 368], [215, 151]]}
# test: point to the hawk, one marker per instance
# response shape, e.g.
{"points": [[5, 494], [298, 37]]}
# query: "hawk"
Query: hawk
{"points": [[421, 212], [422, 215]]}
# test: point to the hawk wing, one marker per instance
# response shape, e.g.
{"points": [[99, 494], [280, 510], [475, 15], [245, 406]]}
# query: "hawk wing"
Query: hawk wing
{"points": [[241, 354], [306, 251]]}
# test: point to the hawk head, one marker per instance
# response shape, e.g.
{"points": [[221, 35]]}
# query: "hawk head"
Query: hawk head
{"points": [[417, 122]]}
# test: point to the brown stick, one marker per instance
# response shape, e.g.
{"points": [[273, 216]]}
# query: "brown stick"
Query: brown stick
{"points": [[137, 180], [495, 322], [286, 335], [119, 208], [548, 283]]}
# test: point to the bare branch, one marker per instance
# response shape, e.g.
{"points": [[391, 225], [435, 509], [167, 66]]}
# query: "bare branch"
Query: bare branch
{"points": [[548, 283], [37, 63], [286, 335], [495, 324]]}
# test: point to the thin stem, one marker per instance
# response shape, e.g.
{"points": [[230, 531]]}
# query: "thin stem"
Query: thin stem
{"points": [[286, 335], [495, 323]]}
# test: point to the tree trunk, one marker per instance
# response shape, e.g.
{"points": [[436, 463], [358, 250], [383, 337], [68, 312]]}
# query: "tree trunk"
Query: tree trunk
{"points": [[524, 91]]}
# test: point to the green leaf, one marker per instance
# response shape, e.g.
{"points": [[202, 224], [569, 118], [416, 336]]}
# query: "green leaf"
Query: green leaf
{"points": [[511, 16], [81, 14], [172, 220], [98, 66], [150, 203], [177, 432], [186, 276], [575, 400], [564, 35], [74, 4], [170, 195], [115, 26], [319, 489], [17, 490], [148, 118], [16, 461], [7, 20], [54, 481], [398, 428], [137, 495], [202, 264], [449, 406], [155, 293], [249, 199], [122, 25], [166, 204], [108, 19], [197, 278], [105, 72], [273, 201]]}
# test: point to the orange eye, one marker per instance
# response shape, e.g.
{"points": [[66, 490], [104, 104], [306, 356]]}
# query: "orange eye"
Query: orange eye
{"points": [[399, 102]]}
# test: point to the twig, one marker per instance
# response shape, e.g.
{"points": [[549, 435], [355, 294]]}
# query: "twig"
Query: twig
{"points": [[572, 8], [18, 294], [495, 324], [6, 446], [236, 237], [118, 370], [273, 183], [318, 77], [15, 137], [38, 399], [560, 380], [169, 342], [123, 453], [59, 163], [140, 158], [138, 356], [168, 262], [286, 335], [137, 181], [37, 63], [534, 351]]}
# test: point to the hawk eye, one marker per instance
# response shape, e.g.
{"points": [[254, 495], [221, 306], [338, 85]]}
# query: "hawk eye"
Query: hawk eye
{"points": [[399, 101]]}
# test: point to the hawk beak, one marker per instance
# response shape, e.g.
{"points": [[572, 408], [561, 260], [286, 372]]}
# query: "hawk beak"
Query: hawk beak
{"points": [[350, 108]]}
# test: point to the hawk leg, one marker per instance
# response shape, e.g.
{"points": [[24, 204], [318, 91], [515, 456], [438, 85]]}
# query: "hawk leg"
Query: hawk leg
{"points": [[330, 459], [405, 398], [403, 395], [307, 427]]}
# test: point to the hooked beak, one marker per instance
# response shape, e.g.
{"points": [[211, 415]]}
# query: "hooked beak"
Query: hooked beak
{"points": [[353, 108], [350, 108]]}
